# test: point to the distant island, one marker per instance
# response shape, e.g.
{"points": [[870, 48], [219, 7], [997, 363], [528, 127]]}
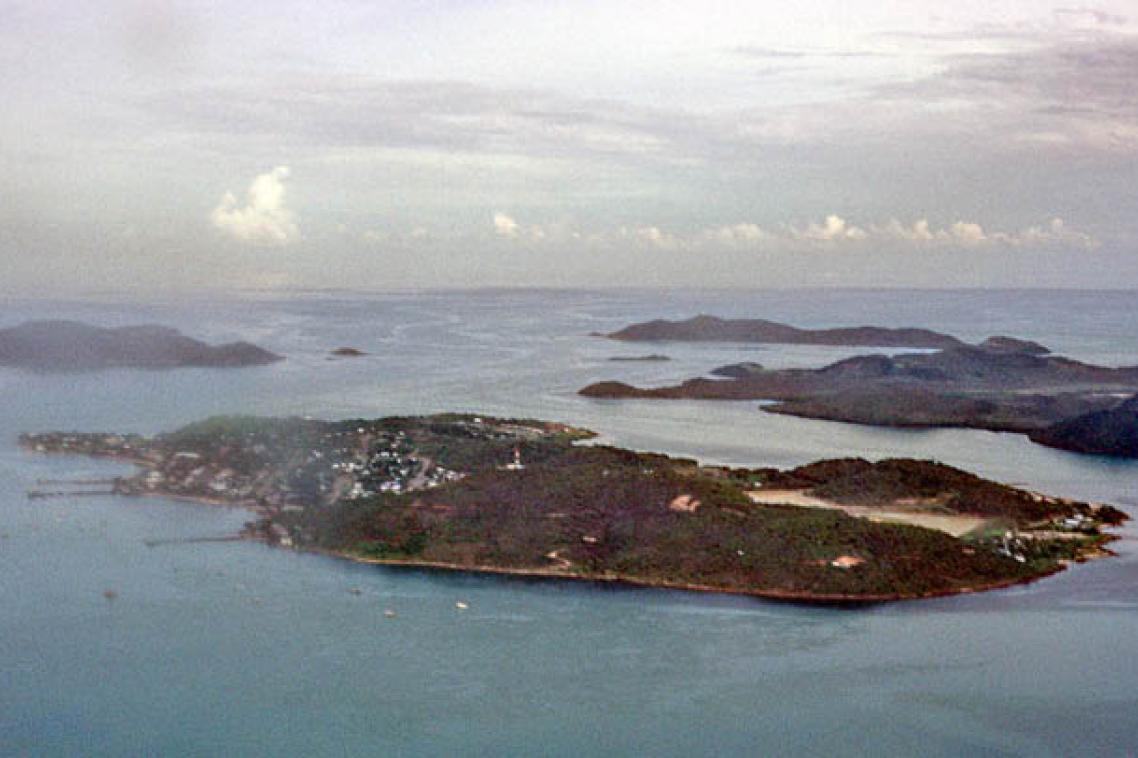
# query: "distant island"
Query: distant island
{"points": [[509, 496], [74, 346], [705, 328], [652, 358], [347, 352], [1002, 384]]}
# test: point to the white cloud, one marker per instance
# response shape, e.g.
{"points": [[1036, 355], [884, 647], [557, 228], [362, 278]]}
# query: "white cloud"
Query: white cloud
{"points": [[893, 234], [918, 231], [653, 235], [832, 232], [968, 233], [971, 234], [736, 234], [833, 229], [264, 218], [505, 225]]}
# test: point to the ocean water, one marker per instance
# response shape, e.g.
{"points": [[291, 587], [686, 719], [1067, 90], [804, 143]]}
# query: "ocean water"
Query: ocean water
{"points": [[236, 648]]}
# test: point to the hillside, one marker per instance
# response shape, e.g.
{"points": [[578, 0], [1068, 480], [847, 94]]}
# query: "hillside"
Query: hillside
{"points": [[74, 346], [1107, 432]]}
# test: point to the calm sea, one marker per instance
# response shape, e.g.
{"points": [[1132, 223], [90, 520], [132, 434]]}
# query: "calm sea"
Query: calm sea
{"points": [[239, 649]]}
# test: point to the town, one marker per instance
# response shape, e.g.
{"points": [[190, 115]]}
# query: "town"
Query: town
{"points": [[282, 466]]}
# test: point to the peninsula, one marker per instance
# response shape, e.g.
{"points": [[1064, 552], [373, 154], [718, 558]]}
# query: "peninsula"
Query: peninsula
{"points": [[480, 494], [1002, 384], [74, 346], [1107, 432]]}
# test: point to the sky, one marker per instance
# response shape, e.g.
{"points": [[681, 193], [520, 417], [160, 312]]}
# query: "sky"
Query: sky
{"points": [[153, 145]]}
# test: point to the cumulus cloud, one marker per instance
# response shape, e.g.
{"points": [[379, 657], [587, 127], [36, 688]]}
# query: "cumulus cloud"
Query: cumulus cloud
{"points": [[833, 232], [654, 235], [736, 234], [506, 225], [834, 228], [893, 234], [971, 234], [264, 217]]}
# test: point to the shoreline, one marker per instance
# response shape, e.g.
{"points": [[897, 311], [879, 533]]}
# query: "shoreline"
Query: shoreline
{"points": [[785, 596]]}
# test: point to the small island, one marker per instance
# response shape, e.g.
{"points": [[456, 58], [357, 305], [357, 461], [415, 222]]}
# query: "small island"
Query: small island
{"points": [[70, 346], [510, 496], [347, 352], [650, 358]]}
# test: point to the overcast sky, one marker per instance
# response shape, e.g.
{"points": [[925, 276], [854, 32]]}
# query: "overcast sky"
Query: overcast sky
{"points": [[185, 145]]}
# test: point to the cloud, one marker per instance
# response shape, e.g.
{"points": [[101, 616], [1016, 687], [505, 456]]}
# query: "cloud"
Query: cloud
{"points": [[837, 231], [264, 218], [736, 234], [833, 229], [506, 225], [833, 232], [971, 234], [456, 117], [962, 234], [758, 52], [1076, 93], [656, 237], [1094, 15]]}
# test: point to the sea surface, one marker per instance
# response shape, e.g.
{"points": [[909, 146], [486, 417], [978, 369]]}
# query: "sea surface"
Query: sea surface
{"points": [[236, 648]]}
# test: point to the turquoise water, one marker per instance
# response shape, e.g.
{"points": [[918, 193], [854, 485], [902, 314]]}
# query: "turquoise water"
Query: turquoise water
{"points": [[241, 649]]}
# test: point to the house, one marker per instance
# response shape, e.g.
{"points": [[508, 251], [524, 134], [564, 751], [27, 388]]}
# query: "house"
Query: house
{"points": [[516, 464]]}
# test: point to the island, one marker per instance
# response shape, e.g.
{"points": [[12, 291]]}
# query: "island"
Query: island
{"points": [[650, 358], [535, 498], [347, 352], [71, 346], [704, 328], [1002, 384]]}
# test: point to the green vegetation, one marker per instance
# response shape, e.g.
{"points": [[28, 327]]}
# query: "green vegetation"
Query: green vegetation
{"points": [[855, 481], [522, 496], [607, 513]]}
